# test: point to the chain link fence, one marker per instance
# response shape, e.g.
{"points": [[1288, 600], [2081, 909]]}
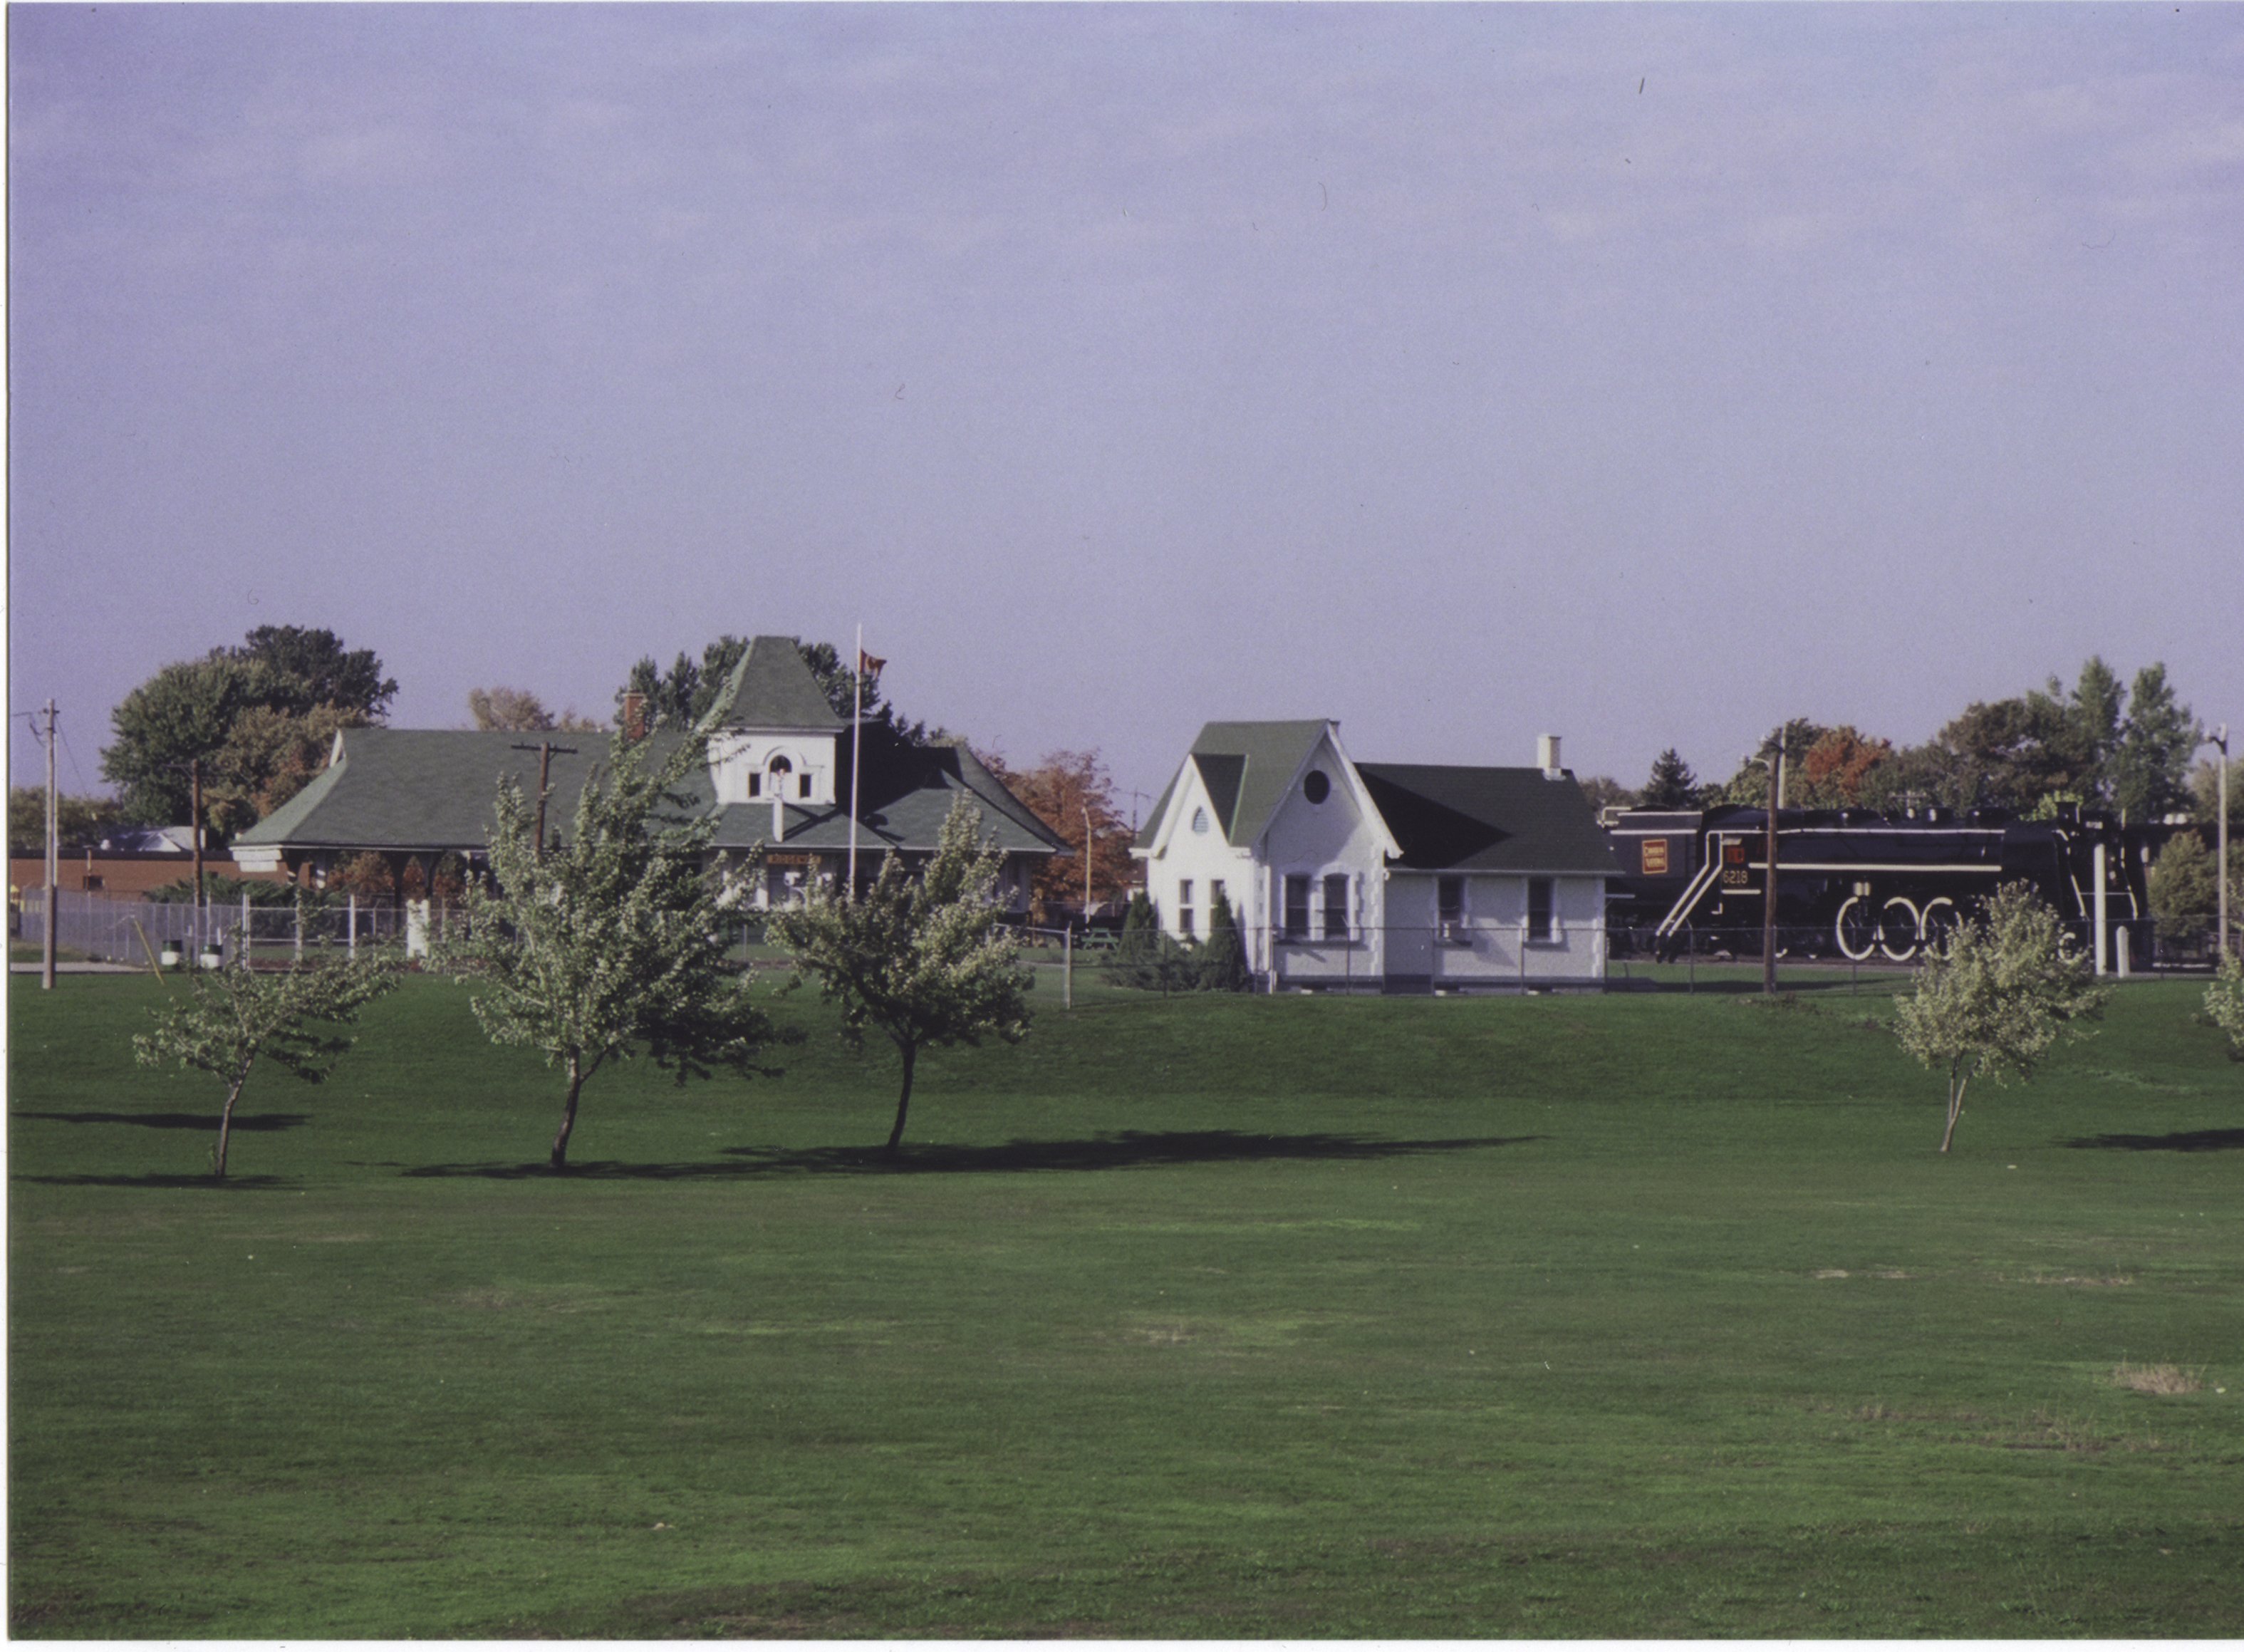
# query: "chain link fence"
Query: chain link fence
{"points": [[97, 928]]}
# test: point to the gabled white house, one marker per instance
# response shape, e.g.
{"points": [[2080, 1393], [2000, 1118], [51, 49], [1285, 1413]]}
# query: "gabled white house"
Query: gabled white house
{"points": [[1380, 877]]}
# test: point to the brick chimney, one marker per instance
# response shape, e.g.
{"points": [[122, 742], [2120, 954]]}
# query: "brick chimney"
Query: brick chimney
{"points": [[634, 716]]}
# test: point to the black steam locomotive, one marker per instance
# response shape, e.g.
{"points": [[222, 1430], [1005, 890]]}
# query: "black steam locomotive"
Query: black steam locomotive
{"points": [[1853, 885]]}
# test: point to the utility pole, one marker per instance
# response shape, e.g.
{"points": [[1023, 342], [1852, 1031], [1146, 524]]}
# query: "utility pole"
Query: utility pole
{"points": [[544, 748], [1768, 898], [54, 869], [195, 831], [1086, 869], [2221, 843]]}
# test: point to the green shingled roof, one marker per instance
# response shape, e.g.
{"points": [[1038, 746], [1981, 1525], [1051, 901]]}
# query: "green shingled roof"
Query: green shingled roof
{"points": [[772, 689], [1494, 820], [432, 789], [1246, 767], [401, 788]]}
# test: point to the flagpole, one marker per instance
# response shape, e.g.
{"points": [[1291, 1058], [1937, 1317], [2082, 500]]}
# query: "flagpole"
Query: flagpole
{"points": [[856, 744]]}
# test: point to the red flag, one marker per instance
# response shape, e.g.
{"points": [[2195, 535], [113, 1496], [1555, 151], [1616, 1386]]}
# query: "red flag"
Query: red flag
{"points": [[868, 666]]}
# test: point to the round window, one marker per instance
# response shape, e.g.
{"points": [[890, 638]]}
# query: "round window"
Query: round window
{"points": [[1316, 787], [1200, 820]]}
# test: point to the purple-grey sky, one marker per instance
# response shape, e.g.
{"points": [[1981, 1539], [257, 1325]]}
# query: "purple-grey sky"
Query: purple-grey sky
{"points": [[1645, 374]]}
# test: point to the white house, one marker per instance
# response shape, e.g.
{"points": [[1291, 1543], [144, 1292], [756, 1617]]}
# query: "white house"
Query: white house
{"points": [[1380, 877]]}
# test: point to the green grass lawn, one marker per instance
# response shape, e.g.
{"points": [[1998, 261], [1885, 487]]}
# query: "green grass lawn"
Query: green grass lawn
{"points": [[1640, 1315]]}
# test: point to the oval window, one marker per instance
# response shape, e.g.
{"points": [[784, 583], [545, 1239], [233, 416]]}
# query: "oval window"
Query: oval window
{"points": [[1200, 820], [1316, 787]]}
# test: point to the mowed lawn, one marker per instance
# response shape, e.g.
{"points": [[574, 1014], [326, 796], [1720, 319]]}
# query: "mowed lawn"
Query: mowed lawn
{"points": [[1632, 1316]]}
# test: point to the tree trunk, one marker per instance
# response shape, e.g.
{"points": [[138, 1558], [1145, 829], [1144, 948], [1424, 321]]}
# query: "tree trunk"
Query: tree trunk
{"points": [[225, 1121], [1957, 1080], [903, 1101], [560, 1159]]}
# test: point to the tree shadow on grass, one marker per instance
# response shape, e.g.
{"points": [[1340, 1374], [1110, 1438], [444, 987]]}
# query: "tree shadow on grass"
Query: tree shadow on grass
{"points": [[207, 1122], [2176, 1142], [1124, 1150], [166, 1179]]}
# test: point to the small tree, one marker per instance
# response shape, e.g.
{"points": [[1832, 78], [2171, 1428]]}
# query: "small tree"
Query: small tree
{"points": [[1146, 957], [1671, 784], [233, 1016], [615, 941], [2224, 1002], [924, 961], [1223, 960], [1994, 999]]}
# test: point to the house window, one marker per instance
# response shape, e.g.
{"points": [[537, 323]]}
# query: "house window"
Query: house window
{"points": [[1184, 906], [1539, 904], [1337, 906], [1316, 787], [805, 792], [1450, 906], [1297, 906], [755, 784], [1214, 892], [1200, 820]]}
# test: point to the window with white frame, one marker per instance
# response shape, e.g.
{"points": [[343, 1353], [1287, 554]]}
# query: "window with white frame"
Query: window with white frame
{"points": [[1185, 906], [1542, 903], [1335, 906], [1449, 907], [1297, 906]]}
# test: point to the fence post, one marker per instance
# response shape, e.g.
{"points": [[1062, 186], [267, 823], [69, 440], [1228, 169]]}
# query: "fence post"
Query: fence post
{"points": [[1690, 962], [350, 934], [1066, 968], [248, 934], [300, 927]]}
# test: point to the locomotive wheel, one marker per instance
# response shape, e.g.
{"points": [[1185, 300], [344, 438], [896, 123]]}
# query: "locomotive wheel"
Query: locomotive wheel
{"points": [[1856, 931], [1897, 930], [1938, 922]]}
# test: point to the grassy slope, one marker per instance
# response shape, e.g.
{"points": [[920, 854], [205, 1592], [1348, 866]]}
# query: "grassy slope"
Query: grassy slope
{"points": [[1632, 1316]]}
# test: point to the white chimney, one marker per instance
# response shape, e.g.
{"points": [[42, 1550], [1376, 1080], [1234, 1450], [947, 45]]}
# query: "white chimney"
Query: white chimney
{"points": [[1546, 757]]}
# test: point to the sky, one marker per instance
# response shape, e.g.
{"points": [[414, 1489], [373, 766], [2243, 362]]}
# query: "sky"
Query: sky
{"points": [[1645, 375]]}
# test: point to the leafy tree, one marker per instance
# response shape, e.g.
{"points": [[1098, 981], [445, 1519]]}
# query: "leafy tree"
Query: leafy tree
{"points": [[268, 756], [614, 942], [1222, 961], [2150, 771], [305, 684], [924, 961], [519, 710], [1992, 1000], [1148, 958], [1834, 771], [303, 667], [182, 713], [1057, 790], [2205, 792], [235, 1017], [1671, 785], [79, 820], [1603, 792], [1749, 785], [2185, 879], [2095, 707], [2224, 1003]]}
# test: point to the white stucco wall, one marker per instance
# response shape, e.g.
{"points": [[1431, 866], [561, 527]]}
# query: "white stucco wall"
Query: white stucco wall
{"points": [[735, 754], [1491, 948], [1202, 859], [1341, 834]]}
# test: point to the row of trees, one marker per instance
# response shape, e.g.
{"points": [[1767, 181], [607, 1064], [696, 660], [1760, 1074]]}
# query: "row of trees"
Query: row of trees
{"points": [[610, 943], [2091, 744]]}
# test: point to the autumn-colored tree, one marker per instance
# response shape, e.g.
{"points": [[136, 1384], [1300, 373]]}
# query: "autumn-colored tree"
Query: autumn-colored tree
{"points": [[1058, 791], [1832, 771], [520, 710], [269, 756]]}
